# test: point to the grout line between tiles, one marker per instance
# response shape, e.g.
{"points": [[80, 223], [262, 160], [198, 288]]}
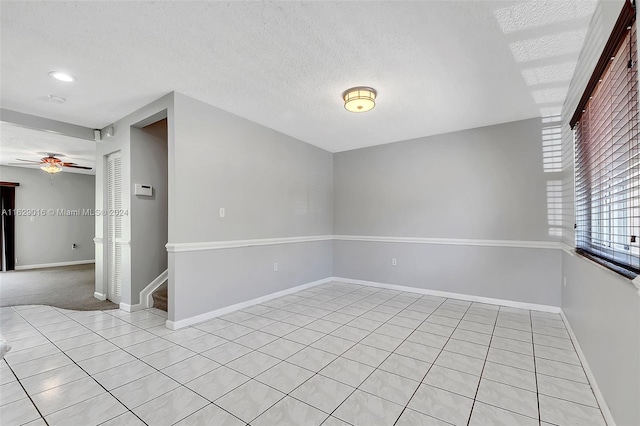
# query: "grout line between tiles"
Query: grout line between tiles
{"points": [[434, 361], [473, 404], [28, 396], [535, 373]]}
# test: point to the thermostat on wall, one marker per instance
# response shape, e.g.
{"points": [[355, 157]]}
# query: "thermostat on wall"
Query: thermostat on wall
{"points": [[145, 190]]}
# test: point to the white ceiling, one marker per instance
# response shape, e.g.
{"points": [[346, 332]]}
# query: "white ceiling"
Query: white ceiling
{"points": [[438, 66], [29, 144]]}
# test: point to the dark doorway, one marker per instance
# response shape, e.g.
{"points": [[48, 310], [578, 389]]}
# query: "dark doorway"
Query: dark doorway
{"points": [[8, 225]]}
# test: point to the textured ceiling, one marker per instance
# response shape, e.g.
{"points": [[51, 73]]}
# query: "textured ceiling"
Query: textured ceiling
{"points": [[28, 144], [437, 66]]}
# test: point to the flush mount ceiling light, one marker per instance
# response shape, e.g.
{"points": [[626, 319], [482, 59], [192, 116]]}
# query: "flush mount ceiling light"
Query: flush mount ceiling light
{"points": [[359, 99], [62, 76]]}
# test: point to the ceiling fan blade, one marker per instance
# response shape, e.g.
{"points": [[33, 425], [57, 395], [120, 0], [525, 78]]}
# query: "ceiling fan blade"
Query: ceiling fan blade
{"points": [[29, 161], [77, 167], [22, 164]]}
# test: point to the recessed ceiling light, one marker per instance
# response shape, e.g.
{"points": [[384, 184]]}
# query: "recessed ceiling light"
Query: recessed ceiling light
{"points": [[359, 99], [56, 99], [61, 76]]}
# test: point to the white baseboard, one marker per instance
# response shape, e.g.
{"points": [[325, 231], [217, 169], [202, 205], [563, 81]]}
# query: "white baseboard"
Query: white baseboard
{"points": [[145, 294], [55, 265], [608, 417], [100, 296], [175, 325], [131, 308], [471, 298]]}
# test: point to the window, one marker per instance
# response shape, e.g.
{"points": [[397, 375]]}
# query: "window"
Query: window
{"points": [[607, 155]]}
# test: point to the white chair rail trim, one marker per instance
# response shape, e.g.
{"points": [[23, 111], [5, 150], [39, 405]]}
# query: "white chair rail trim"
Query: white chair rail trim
{"points": [[121, 241], [454, 241], [218, 245]]}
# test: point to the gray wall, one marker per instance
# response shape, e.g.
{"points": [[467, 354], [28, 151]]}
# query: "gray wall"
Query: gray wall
{"points": [[482, 184], [48, 239], [149, 215], [517, 274], [213, 279], [602, 307], [604, 312], [270, 185]]}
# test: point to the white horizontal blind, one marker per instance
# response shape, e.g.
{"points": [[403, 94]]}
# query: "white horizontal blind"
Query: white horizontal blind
{"points": [[607, 163]]}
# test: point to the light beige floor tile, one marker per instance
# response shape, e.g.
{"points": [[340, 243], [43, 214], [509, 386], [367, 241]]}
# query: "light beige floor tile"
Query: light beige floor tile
{"points": [[171, 407], [290, 412], [322, 393], [364, 409], [250, 400], [389, 386], [90, 412]]}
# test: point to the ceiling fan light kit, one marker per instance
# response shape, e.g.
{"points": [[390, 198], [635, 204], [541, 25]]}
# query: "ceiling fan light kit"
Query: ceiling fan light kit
{"points": [[359, 99], [51, 168]]}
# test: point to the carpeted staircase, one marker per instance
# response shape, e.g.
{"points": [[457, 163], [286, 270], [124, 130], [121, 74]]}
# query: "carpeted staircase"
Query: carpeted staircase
{"points": [[160, 297]]}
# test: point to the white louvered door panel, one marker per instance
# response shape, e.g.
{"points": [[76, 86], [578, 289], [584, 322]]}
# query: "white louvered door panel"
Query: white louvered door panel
{"points": [[114, 227]]}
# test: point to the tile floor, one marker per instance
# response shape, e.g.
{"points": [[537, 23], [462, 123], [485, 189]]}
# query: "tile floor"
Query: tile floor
{"points": [[335, 354]]}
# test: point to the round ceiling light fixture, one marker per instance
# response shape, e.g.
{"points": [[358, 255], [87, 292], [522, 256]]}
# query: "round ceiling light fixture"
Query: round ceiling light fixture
{"points": [[359, 99], [62, 76]]}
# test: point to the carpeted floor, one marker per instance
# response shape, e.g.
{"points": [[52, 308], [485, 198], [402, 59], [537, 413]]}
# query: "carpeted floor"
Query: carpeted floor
{"points": [[68, 287]]}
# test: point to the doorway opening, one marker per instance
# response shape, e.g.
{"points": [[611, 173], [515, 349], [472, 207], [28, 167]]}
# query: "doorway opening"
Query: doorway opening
{"points": [[149, 209], [8, 225]]}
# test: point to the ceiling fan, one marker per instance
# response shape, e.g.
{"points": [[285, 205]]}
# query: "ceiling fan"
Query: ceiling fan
{"points": [[50, 164]]}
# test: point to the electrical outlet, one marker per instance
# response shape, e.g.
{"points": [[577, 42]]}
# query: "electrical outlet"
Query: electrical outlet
{"points": [[275, 266], [74, 246], [394, 262], [221, 211]]}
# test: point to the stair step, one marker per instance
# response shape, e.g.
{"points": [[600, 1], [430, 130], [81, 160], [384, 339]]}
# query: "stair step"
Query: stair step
{"points": [[161, 297]]}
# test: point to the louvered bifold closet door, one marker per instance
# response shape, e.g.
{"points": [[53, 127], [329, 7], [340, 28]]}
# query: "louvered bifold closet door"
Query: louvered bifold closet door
{"points": [[607, 163], [114, 227]]}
